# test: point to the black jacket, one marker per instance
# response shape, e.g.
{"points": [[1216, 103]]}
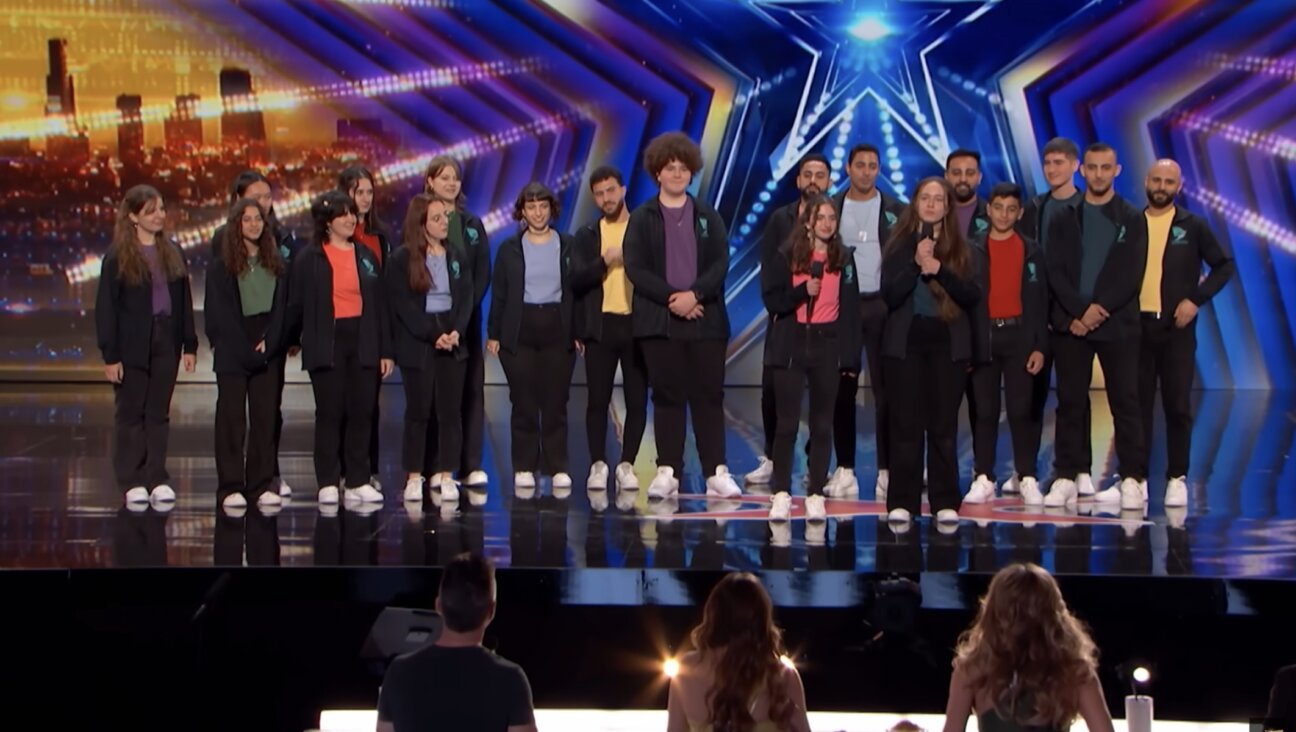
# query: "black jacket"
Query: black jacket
{"points": [[412, 342], [222, 321], [1034, 297], [124, 314], [1032, 220], [588, 271], [645, 262], [310, 318], [900, 275], [784, 338], [1119, 281], [508, 286], [1190, 243], [478, 260]]}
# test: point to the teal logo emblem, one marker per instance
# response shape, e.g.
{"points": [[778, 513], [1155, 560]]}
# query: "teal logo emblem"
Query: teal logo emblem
{"points": [[890, 218], [1120, 236], [850, 273], [472, 235], [702, 224], [369, 268], [454, 269], [283, 252], [981, 225], [1030, 269], [1178, 235]]}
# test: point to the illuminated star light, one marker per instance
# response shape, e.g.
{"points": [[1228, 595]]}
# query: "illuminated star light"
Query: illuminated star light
{"points": [[275, 100], [1268, 143], [1282, 68], [1250, 221]]}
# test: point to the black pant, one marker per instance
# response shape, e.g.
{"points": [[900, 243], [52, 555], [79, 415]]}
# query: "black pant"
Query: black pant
{"points": [[142, 411], [1169, 355], [374, 420], [1041, 398], [930, 384], [1008, 355], [539, 374], [1119, 361], [687, 374], [474, 399], [433, 391], [873, 313], [817, 362], [343, 391], [616, 344], [246, 404]]}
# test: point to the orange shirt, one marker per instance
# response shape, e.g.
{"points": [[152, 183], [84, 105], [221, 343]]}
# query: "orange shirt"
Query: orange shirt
{"points": [[346, 283], [828, 304], [1007, 257]]}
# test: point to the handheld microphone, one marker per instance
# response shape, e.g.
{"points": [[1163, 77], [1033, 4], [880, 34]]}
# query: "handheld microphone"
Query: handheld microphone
{"points": [[816, 273], [927, 231]]}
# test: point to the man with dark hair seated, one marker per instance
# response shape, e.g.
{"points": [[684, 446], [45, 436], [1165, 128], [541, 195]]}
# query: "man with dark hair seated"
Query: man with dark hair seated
{"points": [[1282, 698], [455, 684]]}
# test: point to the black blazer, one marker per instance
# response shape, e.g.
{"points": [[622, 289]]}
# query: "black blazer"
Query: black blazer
{"points": [[1034, 297], [478, 260], [222, 321], [900, 275], [310, 318], [1119, 281], [645, 262], [588, 271], [782, 300], [122, 310], [1032, 220], [1190, 243], [412, 342], [508, 286]]}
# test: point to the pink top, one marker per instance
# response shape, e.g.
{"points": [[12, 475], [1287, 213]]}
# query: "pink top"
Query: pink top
{"points": [[826, 305]]}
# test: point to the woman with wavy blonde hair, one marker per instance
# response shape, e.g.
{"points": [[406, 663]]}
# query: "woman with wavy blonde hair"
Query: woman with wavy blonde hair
{"points": [[1026, 663], [735, 679]]}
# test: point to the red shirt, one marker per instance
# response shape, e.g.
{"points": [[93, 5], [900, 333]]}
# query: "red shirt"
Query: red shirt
{"points": [[369, 240], [347, 302], [827, 304], [1007, 257]]}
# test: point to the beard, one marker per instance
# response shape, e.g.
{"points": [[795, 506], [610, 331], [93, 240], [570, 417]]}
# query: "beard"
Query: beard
{"points": [[1094, 189], [1160, 199], [809, 192], [964, 193], [616, 211]]}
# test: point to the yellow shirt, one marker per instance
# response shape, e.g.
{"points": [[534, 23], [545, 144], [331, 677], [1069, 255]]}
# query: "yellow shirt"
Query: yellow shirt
{"points": [[1158, 235], [616, 287]]}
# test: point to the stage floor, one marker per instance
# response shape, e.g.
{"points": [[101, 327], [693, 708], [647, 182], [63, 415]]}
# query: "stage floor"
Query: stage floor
{"points": [[60, 509]]}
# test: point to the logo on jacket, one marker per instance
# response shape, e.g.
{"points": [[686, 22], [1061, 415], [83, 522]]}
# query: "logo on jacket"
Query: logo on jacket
{"points": [[284, 252], [454, 269], [1178, 235], [1120, 235], [981, 225], [890, 218], [369, 268], [850, 273], [472, 235], [1030, 269], [702, 223]]}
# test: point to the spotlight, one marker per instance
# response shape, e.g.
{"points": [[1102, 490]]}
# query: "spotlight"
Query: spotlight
{"points": [[787, 661], [671, 667], [1141, 675], [870, 28]]}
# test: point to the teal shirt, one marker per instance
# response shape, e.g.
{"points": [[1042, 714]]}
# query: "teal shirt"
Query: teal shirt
{"points": [[256, 289], [1099, 235], [924, 301]]}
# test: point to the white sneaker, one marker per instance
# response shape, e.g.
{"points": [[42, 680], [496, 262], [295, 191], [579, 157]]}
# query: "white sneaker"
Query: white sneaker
{"points": [[375, 483], [1013, 484], [328, 495], [563, 480], [665, 484], [626, 479], [364, 494], [816, 532], [414, 489], [1030, 492], [815, 509], [899, 516], [598, 477], [763, 473], [284, 490], [1132, 495], [780, 533], [1110, 494], [524, 479], [234, 512], [1061, 493], [162, 494], [234, 500], [1176, 494], [947, 516], [269, 499], [327, 510], [476, 497], [449, 489], [880, 488], [476, 478], [722, 484], [1085, 485], [524, 492], [140, 494], [781, 507], [982, 490], [842, 484]]}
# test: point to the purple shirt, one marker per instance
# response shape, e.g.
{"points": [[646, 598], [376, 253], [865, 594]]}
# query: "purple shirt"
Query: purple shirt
{"points": [[681, 246], [964, 214], [161, 294]]}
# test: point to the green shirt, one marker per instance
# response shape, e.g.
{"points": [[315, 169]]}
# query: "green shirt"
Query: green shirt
{"points": [[924, 300], [256, 289]]}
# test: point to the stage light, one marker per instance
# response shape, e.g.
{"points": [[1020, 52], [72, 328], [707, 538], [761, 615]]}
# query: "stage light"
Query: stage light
{"points": [[671, 668], [1141, 675], [787, 661], [870, 28]]}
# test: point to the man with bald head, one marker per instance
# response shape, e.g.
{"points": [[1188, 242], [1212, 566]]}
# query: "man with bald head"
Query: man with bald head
{"points": [[1178, 243]]}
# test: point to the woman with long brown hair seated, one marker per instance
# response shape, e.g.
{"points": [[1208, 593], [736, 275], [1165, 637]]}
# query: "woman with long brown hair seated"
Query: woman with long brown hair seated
{"points": [[735, 679], [1026, 663]]}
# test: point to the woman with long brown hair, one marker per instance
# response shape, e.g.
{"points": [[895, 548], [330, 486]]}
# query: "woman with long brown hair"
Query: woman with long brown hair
{"points": [[243, 309], [1026, 662], [811, 338], [444, 179], [736, 679], [931, 282], [430, 294], [144, 321]]}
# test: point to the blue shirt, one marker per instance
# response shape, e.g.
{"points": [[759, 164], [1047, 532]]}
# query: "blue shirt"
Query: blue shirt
{"points": [[859, 228], [1098, 236], [924, 300], [543, 274], [438, 298]]}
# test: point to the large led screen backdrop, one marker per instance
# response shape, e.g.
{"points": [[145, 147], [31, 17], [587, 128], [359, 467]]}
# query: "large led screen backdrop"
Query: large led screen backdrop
{"points": [[96, 96]]}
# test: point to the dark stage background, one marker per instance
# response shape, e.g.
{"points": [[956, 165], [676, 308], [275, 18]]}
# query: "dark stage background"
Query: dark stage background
{"points": [[98, 96]]}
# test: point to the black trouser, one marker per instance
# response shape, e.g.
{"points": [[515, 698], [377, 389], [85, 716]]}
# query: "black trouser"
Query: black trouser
{"points": [[816, 361], [245, 415], [1041, 398], [539, 375], [929, 384], [873, 313], [142, 411], [1119, 361], [373, 430], [615, 345], [687, 375], [343, 391], [433, 391], [1169, 355], [1008, 355], [279, 366], [474, 399]]}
